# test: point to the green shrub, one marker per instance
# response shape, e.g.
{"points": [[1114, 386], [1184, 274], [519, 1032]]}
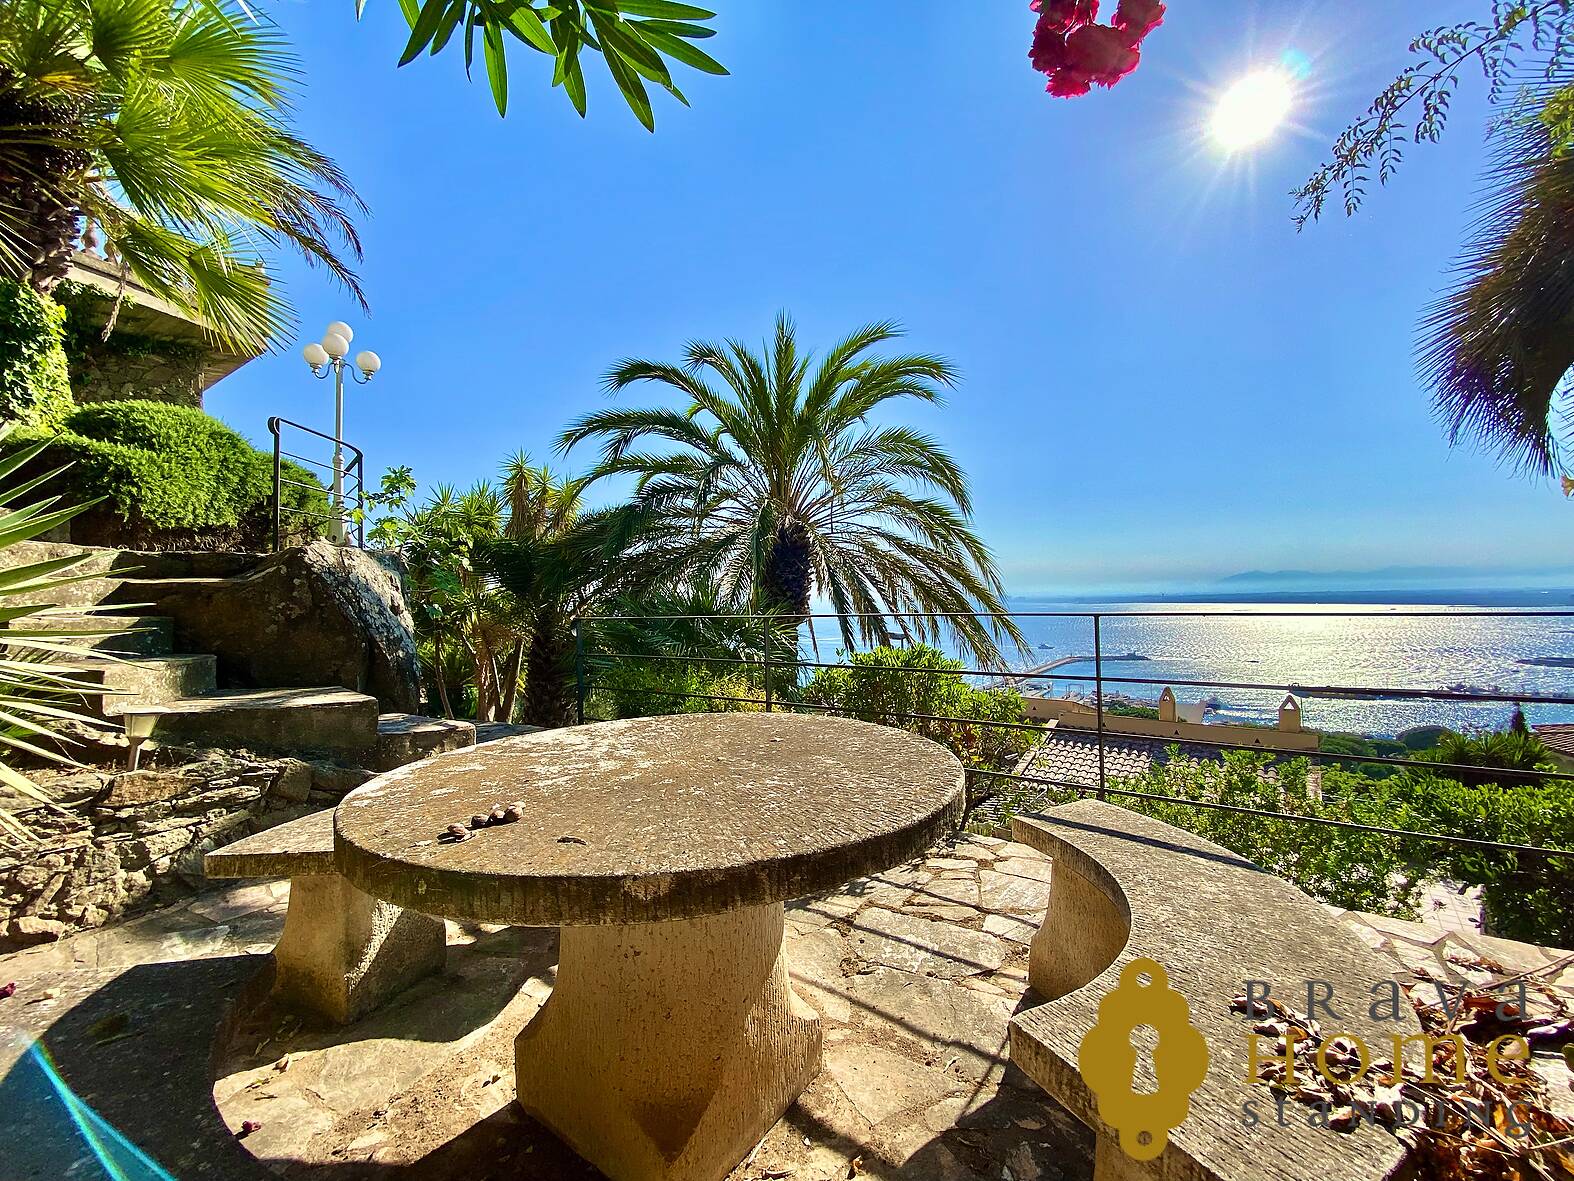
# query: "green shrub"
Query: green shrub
{"points": [[1527, 896], [1344, 867], [891, 685], [627, 688], [171, 472], [34, 387]]}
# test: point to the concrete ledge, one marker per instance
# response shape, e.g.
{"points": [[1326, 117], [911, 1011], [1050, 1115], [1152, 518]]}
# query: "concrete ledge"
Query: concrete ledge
{"points": [[331, 720], [406, 738], [1124, 887], [300, 848]]}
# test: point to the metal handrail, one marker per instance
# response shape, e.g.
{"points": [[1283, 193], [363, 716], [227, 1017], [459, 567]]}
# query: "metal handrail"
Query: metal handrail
{"points": [[770, 702], [355, 469]]}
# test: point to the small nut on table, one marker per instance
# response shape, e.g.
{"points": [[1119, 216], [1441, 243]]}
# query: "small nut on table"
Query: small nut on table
{"points": [[512, 813], [478, 821], [499, 815], [457, 832]]}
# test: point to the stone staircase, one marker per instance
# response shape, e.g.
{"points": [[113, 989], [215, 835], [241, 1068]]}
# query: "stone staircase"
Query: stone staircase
{"points": [[140, 680]]}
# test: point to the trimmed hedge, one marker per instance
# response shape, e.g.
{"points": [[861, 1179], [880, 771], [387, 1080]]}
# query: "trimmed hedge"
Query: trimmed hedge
{"points": [[170, 474], [35, 388]]}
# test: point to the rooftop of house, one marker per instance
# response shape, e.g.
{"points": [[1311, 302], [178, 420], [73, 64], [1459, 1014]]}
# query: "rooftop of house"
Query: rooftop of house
{"points": [[1071, 757], [1557, 736]]}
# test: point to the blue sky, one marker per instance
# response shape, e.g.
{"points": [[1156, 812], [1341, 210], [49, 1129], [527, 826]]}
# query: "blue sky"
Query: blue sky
{"points": [[1163, 381]]}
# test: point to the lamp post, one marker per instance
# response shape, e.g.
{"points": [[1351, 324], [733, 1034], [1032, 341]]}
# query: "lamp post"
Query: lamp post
{"points": [[325, 358]]}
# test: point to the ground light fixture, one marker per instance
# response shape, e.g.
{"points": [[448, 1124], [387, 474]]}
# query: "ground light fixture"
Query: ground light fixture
{"points": [[326, 358]]}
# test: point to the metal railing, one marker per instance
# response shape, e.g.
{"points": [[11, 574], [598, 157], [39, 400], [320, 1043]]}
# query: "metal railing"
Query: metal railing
{"points": [[352, 509], [773, 659]]}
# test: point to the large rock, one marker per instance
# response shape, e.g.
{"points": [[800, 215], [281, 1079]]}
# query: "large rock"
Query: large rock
{"points": [[311, 616]]}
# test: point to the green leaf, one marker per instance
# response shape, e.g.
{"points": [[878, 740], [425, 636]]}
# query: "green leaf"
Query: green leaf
{"points": [[526, 25], [664, 10], [679, 29], [574, 85], [446, 30], [680, 50], [639, 56], [425, 27], [19, 459], [633, 89], [497, 67]]}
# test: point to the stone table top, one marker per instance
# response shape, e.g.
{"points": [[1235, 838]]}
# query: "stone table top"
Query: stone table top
{"points": [[650, 819]]}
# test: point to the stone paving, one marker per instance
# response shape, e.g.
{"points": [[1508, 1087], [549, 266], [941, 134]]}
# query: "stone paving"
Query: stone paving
{"points": [[915, 973]]}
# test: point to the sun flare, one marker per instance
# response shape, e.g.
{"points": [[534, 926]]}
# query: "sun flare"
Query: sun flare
{"points": [[1252, 109]]}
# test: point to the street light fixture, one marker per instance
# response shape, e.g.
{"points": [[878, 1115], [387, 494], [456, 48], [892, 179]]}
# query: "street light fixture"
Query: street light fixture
{"points": [[328, 358]]}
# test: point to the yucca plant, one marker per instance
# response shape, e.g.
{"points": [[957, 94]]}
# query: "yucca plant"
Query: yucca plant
{"points": [[35, 693]]}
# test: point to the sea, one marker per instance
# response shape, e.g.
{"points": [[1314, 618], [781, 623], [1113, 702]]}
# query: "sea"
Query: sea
{"points": [[1476, 642]]}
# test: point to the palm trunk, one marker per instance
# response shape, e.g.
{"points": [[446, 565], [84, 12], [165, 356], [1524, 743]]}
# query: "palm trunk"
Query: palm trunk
{"points": [[40, 179], [787, 581], [440, 674], [511, 684], [476, 674], [549, 672]]}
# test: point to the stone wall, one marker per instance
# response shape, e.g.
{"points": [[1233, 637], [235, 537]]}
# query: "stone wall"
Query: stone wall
{"points": [[136, 836], [112, 376]]}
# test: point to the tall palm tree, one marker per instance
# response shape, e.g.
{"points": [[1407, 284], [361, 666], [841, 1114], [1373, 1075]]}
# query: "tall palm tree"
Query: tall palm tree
{"points": [[772, 485], [163, 125], [547, 572]]}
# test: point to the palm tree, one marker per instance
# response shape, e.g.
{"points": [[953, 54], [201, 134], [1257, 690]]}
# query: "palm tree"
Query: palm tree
{"points": [[773, 486], [163, 125], [544, 564], [1497, 350]]}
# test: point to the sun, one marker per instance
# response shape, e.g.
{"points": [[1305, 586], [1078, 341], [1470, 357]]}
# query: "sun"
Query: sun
{"points": [[1252, 109]]}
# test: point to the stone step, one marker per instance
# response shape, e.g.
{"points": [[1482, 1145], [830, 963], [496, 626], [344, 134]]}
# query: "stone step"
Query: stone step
{"points": [[334, 721], [144, 681], [115, 590], [404, 738], [146, 635]]}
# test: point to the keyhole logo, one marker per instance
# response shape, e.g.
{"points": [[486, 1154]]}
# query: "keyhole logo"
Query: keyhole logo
{"points": [[1108, 1060]]}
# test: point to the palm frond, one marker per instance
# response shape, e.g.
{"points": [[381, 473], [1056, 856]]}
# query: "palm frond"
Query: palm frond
{"points": [[772, 486]]}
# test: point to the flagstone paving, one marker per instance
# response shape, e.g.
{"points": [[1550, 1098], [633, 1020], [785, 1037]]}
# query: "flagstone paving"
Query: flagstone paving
{"points": [[915, 973]]}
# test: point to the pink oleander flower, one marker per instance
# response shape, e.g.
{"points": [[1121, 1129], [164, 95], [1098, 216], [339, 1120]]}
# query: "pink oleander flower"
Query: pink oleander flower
{"points": [[1061, 16], [1138, 18], [1101, 53], [1049, 49], [1067, 83]]}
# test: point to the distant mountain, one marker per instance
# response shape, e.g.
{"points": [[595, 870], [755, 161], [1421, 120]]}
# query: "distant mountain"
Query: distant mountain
{"points": [[1388, 575]]}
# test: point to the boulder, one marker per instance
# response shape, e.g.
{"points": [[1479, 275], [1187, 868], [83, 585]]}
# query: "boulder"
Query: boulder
{"points": [[311, 616]]}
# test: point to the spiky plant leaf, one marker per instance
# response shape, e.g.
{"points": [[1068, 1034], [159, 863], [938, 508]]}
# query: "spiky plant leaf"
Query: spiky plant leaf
{"points": [[35, 686], [772, 486]]}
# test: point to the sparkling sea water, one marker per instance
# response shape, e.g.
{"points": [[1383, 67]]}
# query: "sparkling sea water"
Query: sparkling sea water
{"points": [[1348, 644]]}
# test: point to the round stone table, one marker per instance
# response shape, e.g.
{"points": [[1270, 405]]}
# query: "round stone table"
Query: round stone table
{"points": [[664, 848]]}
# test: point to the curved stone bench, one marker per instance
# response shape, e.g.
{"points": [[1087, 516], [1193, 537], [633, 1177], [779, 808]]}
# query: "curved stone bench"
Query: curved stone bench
{"points": [[1126, 886], [343, 952]]}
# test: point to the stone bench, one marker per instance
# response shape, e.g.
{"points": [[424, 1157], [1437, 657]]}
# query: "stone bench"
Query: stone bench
{"points": [[343, 952], [1125, 887]]}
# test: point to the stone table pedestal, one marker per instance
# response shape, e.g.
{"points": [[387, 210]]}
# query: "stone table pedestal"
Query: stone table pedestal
{"points": [[664, 849]]}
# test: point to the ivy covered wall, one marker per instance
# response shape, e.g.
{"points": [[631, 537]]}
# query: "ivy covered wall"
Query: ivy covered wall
{"points": [[128, 364], [34, 389]]}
